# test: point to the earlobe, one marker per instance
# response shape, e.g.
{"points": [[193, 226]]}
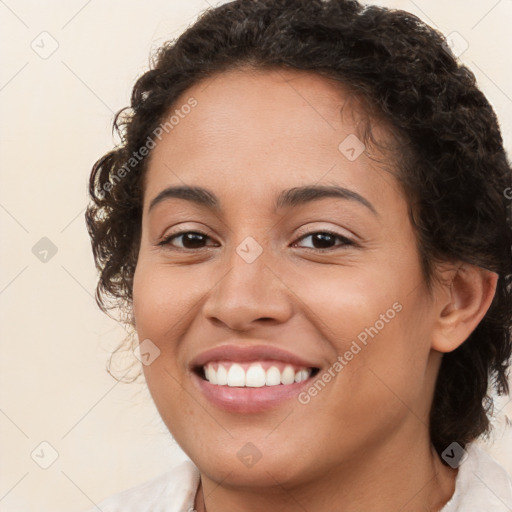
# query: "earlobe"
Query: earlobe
{"points": [[463, 302]]}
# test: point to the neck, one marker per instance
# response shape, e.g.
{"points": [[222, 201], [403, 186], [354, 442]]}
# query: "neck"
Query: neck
{"points": [[409, 477]]}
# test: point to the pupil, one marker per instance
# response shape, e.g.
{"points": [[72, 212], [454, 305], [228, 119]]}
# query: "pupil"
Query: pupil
{"points": [[325, 240], [193, 240]]}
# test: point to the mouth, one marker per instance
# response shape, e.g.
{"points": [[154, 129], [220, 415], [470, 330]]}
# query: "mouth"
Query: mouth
{"points": [[256, 374], [250, 378]]}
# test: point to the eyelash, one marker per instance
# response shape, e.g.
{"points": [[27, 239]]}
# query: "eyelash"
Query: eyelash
{"points": [[346, 241]]}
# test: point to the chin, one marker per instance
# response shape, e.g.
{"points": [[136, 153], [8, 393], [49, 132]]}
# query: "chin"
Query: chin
{"points": [[246, 464]]}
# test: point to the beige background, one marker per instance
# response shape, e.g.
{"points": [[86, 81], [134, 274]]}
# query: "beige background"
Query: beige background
{"points": [[56, 114]]}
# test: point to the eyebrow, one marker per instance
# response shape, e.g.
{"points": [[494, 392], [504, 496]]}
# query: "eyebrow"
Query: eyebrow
{"points": [[290, 198]]}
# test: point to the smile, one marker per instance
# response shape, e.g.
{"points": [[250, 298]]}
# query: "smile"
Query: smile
{"points": [[250, 378], [256, 374]]}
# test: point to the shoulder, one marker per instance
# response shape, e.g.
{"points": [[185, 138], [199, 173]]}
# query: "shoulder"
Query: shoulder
{"points": [[482, 484], [172, 491]]}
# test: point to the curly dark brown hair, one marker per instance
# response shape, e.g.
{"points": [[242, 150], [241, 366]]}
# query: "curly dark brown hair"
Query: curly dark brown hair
{"points": [[451, 163]]}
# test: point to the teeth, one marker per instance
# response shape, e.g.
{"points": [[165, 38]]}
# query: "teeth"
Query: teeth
{"points": [[273, 377], [236, 376], [222, 375], [288, 375], [301, 375], [255, 376], [211, 375]]}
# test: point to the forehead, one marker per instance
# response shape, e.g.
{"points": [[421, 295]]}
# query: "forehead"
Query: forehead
{"points": [[256, 128], [264, 104]]}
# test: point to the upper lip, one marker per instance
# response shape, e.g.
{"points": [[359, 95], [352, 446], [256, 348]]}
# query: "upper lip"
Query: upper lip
{"points": [[247, 353]]}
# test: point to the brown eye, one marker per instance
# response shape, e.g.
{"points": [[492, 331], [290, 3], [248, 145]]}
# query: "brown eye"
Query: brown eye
{"points": [[326, 240], [189, 240]]}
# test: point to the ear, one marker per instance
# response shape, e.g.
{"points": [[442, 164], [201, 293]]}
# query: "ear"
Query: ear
{"points": [[464, 297]]}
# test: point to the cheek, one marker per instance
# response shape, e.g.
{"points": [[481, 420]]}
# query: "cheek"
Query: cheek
{"points": [[343, 301], [164, 307], [162, 297], [158, 308], [376, 319]]}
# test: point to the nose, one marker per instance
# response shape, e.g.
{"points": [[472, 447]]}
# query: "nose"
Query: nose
{"points": [[248, 294]]}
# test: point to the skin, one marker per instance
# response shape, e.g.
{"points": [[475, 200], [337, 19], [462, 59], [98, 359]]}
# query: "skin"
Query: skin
{"points": [[362, 443]]}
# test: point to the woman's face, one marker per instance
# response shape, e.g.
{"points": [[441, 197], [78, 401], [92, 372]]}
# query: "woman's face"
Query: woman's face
{"points": [[277, 281]]}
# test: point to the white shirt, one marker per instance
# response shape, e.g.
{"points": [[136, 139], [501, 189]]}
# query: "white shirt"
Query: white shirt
{"points": [[482, 485]]}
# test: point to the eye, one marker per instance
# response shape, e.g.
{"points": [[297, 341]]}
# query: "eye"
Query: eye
{"points": [[325, 240], [190, 240], [321, 240]]}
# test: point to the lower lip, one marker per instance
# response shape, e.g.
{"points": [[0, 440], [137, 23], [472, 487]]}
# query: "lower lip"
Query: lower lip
{"points": [[248, 400]]}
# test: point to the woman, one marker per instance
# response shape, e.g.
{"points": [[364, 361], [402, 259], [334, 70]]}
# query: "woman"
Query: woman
{"points": [[308, 226]]}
